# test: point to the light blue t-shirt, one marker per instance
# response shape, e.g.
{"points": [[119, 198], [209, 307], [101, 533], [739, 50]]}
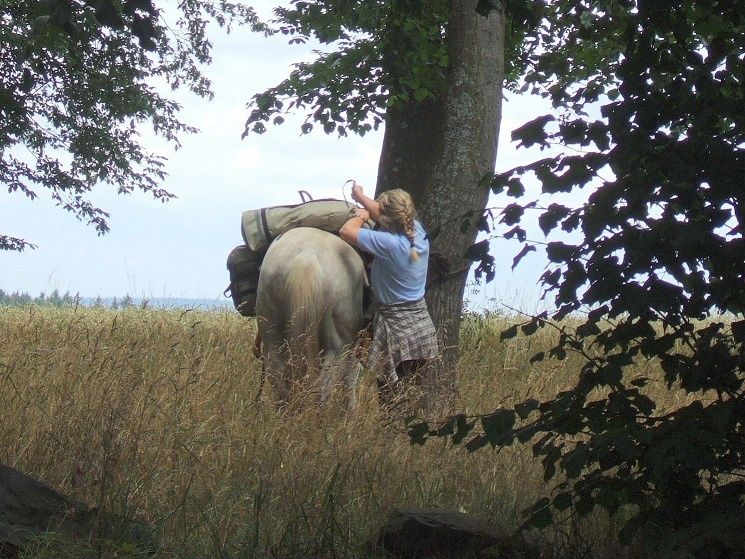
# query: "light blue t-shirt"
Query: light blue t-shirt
{"points": [[395, 277]]}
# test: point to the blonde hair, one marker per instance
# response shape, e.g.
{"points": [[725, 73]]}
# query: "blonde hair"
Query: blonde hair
{"points": [[397, 214]]}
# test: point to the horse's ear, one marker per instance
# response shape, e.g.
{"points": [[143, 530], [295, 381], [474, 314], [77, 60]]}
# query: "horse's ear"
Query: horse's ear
{"points": [[437, 270]]}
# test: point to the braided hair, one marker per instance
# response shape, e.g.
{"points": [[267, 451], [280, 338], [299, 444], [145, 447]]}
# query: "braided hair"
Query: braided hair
{"points": [[397, 214]]}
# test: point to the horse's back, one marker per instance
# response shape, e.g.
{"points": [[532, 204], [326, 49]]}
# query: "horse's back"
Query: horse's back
{"points": [[307, 243], [316, 267], [309, 253]]}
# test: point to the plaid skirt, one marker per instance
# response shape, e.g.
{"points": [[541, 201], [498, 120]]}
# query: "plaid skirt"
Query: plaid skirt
{"points": [[402, 332]]}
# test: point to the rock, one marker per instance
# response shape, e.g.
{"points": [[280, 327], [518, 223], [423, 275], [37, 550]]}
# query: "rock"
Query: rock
{"points": [[29, 509], [431, 533]]}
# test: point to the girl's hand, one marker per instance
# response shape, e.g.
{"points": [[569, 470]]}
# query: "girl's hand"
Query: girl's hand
{"points": [[364, 214], [357, 194]]}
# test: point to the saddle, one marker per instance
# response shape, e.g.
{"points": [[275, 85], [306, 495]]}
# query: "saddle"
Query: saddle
{"points": [[259, 227]]}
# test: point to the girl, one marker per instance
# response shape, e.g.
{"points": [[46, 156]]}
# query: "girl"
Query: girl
{"points": [[404, 338]]}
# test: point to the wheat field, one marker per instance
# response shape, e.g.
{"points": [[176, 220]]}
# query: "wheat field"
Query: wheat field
{"points": [[159, 415]]}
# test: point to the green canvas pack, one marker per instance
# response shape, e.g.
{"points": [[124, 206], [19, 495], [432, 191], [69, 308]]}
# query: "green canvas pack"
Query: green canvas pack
{"points": [[260, 227], [243, 266]]}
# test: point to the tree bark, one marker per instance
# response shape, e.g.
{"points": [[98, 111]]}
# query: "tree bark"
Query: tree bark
{"points": [[441, 151], [411, 147]]}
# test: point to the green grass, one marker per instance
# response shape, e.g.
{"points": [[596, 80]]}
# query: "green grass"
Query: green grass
{"points": [[158, 415]]}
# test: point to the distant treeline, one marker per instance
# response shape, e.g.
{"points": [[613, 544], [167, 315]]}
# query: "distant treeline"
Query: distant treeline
{"points": [[55, 299]]}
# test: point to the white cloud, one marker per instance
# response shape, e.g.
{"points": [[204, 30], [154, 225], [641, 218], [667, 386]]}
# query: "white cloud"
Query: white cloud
{"points": [[247, 159]]}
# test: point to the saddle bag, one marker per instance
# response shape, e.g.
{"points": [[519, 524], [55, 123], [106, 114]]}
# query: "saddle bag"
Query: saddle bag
{"points": [[243, 266], [260, 227]]}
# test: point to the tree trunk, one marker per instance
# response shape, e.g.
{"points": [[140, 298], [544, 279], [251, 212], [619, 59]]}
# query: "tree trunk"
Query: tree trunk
{"points": [[411, 147], [441, 151]]}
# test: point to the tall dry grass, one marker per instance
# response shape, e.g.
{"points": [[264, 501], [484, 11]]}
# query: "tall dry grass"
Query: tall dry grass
{"points": [[156, 414]]}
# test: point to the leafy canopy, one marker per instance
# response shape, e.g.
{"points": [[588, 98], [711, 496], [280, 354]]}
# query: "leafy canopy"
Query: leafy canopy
{"points": [[374, 56], [77, 83], [379, 54], [648, 94]]}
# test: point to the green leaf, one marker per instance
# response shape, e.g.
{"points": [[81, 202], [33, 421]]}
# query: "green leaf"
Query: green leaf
{"points": [[598, 132], [563, 501], [560, 252], [585, 505], [476, 443], [738, 328], [108, 15], [463, 427], [525, 434], [28, 81], [482, 224], [549, 463], [477, 251], [418, 433], [551, 217], [515, 188], [509, 333], [497, 424], [422, 94], [523, 252], [512, 214], [575, 461], [531, 327], [539, 515], [447, 428], [533, 132], [538, 357], [524, 409], [518, 232]]}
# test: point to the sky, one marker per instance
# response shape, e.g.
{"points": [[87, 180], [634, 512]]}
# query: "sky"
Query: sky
{"points": [[178, 249]]}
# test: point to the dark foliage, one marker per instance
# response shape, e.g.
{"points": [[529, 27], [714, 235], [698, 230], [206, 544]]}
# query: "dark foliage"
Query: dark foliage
{"points": [[380, 54], [377, 55], [76, 86], [650, 95]]}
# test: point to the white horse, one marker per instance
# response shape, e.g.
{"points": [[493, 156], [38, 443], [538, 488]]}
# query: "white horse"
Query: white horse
{"points": [[309, 309]]}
